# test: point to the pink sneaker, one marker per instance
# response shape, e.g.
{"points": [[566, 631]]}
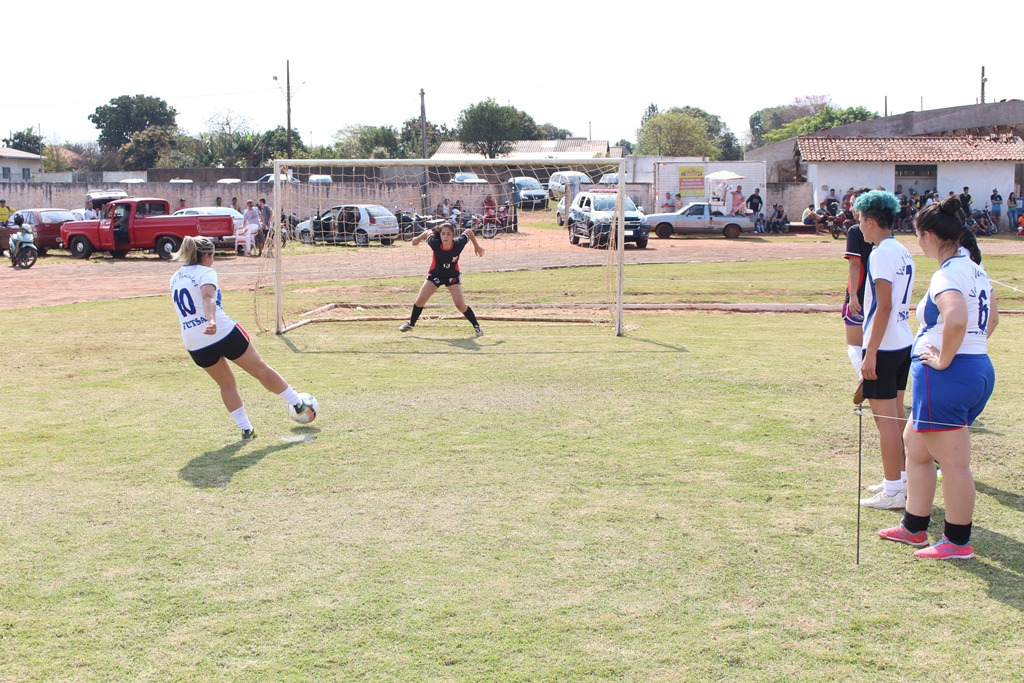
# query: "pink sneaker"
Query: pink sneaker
{"points": [[900, 534], [946, 550]]}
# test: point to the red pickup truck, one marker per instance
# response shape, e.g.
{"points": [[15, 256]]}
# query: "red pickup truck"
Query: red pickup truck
{"points": [[140, 223]]}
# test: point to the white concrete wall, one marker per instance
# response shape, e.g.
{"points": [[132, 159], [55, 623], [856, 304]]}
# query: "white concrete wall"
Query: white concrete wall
{"points": [[980, 176]]}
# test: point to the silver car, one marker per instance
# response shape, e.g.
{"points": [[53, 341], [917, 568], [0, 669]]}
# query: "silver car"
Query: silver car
{"points": [[236, 219], [359, 223], [557, 182]]}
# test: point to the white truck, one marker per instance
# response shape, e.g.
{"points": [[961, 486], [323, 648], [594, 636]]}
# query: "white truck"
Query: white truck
{"points": [[699, 218]]}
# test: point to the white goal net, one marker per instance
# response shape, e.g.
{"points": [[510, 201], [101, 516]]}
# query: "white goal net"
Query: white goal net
{"points": [[348, 257]]}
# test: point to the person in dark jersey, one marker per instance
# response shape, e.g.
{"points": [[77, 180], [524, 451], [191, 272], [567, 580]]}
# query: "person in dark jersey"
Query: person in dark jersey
{"points": [[444, 271], [858, 250]]}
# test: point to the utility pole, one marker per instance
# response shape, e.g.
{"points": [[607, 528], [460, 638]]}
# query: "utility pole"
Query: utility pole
{"points": [[983, 81], [288, 102], [423, 122]]}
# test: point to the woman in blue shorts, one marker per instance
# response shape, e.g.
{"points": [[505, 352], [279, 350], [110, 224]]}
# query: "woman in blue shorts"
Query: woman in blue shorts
{"points": [[952, 380], [213, 338], [444, 271]]}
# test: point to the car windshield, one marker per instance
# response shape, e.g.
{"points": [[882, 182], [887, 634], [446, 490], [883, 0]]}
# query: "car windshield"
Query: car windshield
{"points": [[378, 211], [57, 216], [610, 178], [607, 203], [465, 176], [528, 184]]}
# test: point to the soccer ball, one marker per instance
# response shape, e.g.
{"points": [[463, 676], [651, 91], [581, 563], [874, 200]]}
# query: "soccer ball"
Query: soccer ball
{"points": [[306, 416]]}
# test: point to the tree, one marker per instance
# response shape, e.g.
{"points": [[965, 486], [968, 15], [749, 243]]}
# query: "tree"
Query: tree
{"points": [[25, 141], [827, 117], [676, 134], [277, 143], [367, 142], [96, 158], [489, 128], [127, 115], [766, 120], [550, 132], [147, 146], [723, 138], [411, 138], [626, 145], [649, 113]]}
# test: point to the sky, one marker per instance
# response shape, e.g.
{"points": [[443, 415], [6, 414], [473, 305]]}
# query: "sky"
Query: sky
{"points": [[591, 68]]}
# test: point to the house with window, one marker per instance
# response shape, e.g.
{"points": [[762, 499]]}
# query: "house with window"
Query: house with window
{"points": [[936, 163], [18, 166]]}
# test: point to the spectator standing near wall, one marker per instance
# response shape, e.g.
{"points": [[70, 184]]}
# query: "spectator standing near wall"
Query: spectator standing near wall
{"points": [[997, 207], [754, 202], [5, 211], [965, 202]]}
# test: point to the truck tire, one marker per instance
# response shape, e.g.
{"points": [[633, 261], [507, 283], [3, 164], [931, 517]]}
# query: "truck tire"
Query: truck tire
{"points": [[81, 247], [119, 253], [166, 246], [595, 240], [386, 241], [732, 231], [663, 231], [573, 237], [306, 237], [641, 242]]}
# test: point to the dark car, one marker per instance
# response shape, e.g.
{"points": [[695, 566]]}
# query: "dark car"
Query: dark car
{"points": [[45, 225], [529, 192]]}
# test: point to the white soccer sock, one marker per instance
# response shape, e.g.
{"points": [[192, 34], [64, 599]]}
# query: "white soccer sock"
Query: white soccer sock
{"points": [[241, 419], [892, 487], [903, 477], [290, 396], [856, 355]]}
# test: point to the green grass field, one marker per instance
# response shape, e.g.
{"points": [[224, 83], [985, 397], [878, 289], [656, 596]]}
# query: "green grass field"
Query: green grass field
{"points": [[546, 503]]}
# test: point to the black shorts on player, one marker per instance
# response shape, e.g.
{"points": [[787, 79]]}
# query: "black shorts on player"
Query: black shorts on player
{"points": [[892, 369], [230, 347], [445, 279]]}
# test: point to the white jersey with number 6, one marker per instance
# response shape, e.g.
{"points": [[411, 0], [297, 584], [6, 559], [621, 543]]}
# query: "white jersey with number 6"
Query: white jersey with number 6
{"points": [[187, 292], [959, 274]]}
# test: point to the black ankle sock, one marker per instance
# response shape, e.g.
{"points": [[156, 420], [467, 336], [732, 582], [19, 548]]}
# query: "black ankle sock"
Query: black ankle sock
{"points": [[959, 533], [416, 310], [471, 317], [915, 523]]}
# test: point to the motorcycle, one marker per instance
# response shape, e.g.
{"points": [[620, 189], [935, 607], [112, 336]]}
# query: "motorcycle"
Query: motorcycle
{"points": [[494, 221], [411, 223], [464, 220], [22, 246]]}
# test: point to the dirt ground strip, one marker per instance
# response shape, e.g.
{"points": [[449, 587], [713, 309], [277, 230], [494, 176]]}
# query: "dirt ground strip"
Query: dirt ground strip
{"points": [[59, 279]]}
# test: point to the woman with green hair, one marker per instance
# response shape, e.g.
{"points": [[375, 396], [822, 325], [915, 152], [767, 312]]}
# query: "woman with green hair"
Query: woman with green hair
{"points": [[887, 339]]}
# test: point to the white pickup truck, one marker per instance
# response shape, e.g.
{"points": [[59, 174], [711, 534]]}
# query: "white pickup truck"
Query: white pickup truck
{"points": [[699, 218]]}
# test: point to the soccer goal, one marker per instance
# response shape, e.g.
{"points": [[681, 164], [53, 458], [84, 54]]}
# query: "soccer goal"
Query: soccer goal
{"points": [[345, 252]]}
